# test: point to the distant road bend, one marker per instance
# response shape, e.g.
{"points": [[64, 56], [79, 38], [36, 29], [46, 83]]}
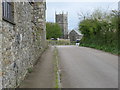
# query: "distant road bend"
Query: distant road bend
{"points": [[87, 68]]}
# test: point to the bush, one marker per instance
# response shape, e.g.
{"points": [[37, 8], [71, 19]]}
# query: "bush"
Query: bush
{"points": [[99, 33], [53, 30]]}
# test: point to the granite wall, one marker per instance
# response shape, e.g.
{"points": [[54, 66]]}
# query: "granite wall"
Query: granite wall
{"points": [[0, 44], [22, 42]]}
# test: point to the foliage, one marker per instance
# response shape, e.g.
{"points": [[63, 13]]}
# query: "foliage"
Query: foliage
{"points": [[30, 70], [53, 30], [101, 31]]}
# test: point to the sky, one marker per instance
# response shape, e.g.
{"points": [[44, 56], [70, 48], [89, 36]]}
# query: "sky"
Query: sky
{"points": [[82, 0], [77, 7]]}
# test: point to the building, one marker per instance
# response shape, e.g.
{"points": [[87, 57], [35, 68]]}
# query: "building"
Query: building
{"points": [[75, 35], [62, 20], [22, 39]]}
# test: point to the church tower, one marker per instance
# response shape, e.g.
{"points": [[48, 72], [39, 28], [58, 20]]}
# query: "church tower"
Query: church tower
{"points": [[62, 20]]}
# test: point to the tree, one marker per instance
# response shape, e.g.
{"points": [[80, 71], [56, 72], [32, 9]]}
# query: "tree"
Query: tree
{"points": [[101, 30], [53, 30]]}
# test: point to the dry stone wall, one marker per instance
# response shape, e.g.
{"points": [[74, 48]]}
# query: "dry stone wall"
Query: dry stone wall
{"points": [[22, 43]]}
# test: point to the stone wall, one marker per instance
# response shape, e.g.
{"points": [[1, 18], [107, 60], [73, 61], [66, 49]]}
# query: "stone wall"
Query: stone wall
{"points": [[22, 43], [0, 44]]}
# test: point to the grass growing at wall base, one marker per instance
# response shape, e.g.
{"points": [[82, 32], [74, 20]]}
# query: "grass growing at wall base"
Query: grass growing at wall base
{"points": [[30, 70]]}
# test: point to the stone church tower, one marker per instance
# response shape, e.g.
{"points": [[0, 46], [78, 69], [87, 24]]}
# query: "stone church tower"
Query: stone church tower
{"points": [[62, 20]]}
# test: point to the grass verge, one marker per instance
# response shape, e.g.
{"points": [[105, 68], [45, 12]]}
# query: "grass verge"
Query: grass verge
{"points": [[112, 50], [56, 69]]}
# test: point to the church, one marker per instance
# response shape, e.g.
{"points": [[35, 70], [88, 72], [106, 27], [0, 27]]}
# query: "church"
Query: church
{"points": [[62, 20]]}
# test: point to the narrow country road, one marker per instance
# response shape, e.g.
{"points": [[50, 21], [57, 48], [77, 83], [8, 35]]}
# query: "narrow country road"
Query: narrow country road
{"points": [[87, 68]]}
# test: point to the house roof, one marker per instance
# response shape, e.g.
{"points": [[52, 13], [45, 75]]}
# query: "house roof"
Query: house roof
{"points": [[78, 32]]}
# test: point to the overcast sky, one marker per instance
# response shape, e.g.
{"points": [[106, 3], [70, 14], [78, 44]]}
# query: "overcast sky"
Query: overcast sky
{"points": [[82, 0], [76, 7]]}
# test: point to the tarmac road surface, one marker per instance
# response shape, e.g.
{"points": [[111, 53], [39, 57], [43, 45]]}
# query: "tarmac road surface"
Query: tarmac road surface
{"points": [[87, 68]]}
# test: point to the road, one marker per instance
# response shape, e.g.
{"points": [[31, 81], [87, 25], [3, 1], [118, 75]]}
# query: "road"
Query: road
{"points": [[87, 68]]}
